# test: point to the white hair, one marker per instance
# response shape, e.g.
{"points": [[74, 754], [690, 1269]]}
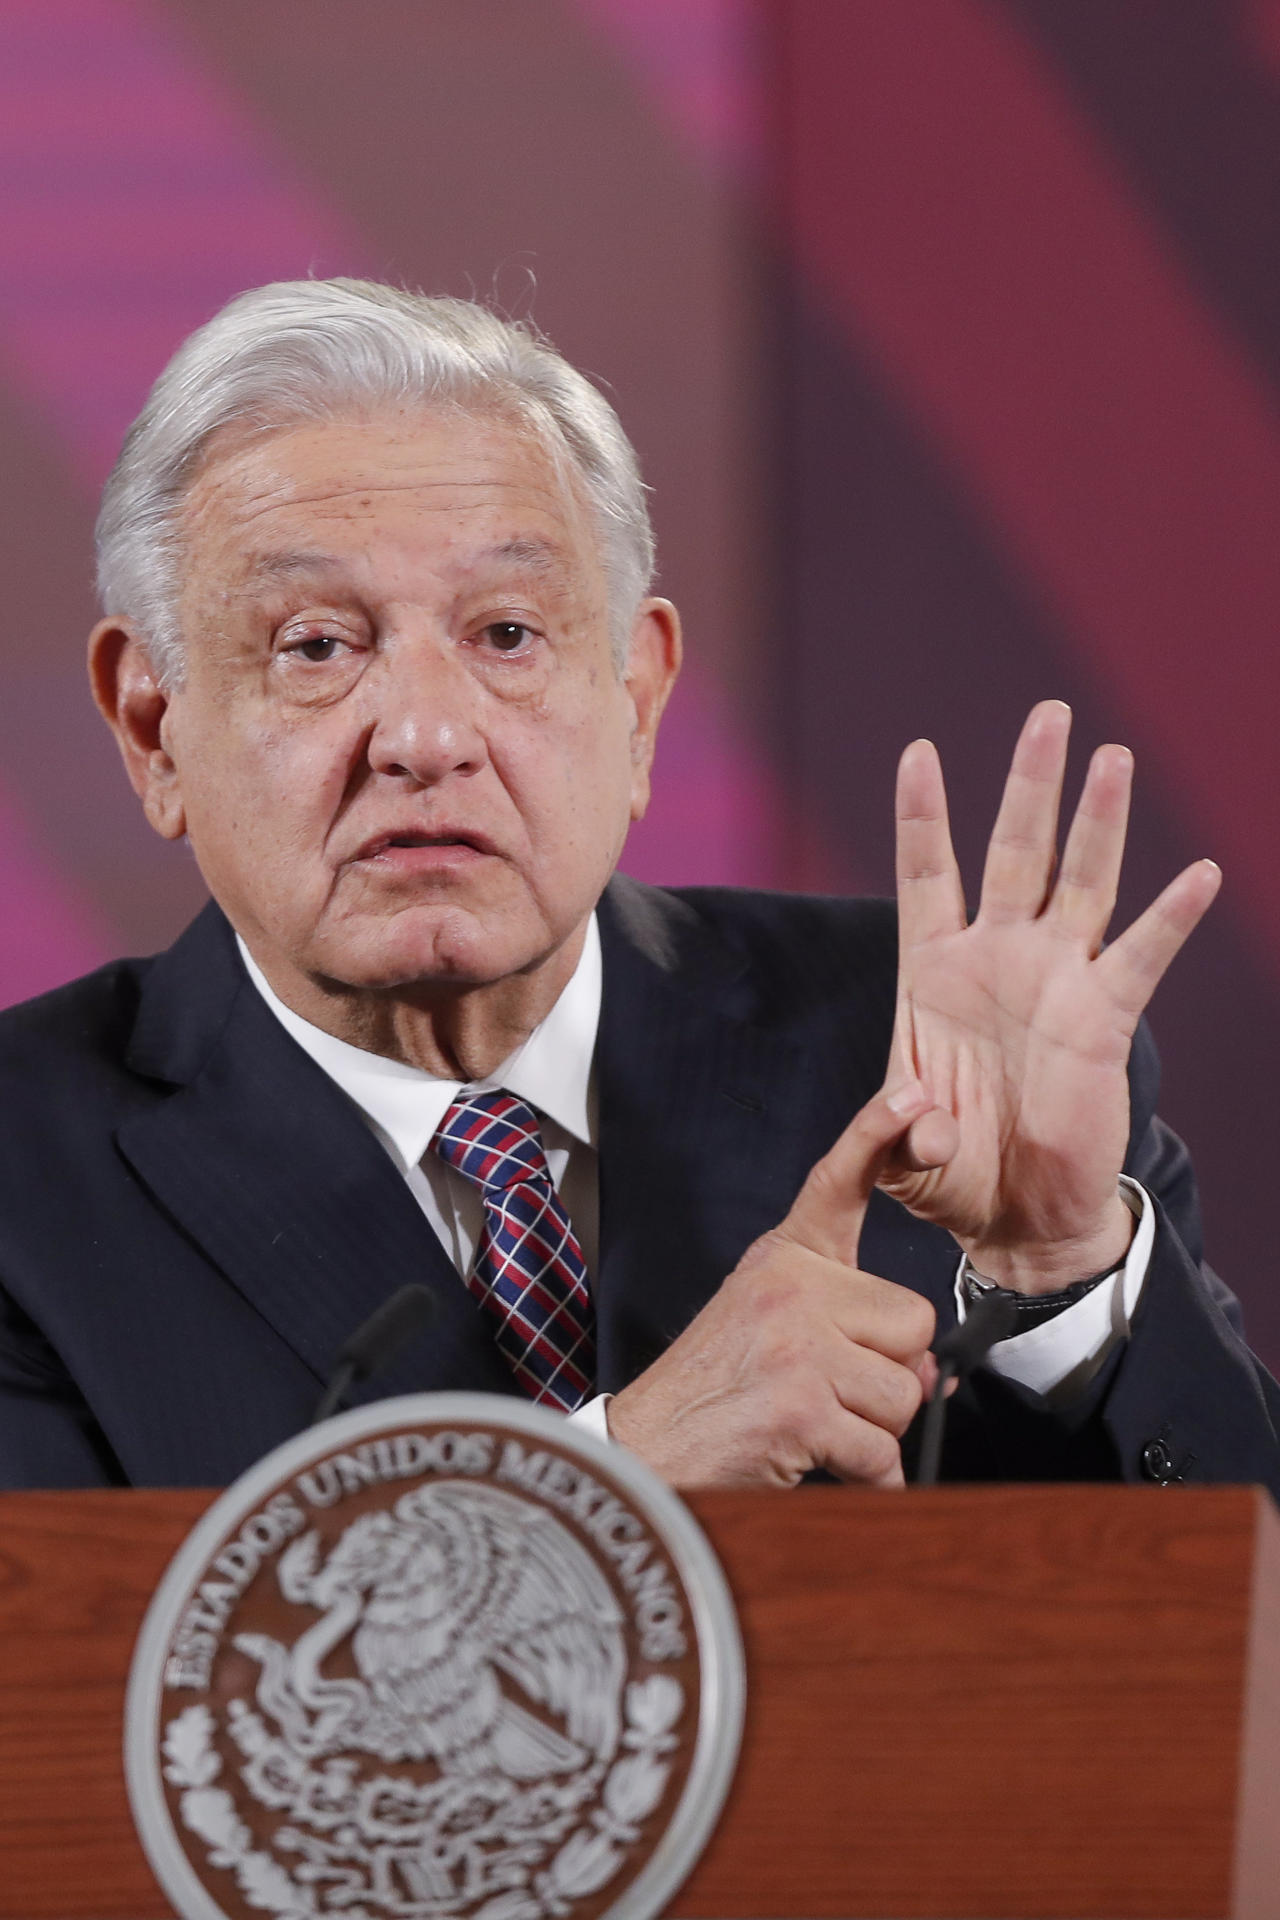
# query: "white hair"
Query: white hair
{"points": [[316, 350]]}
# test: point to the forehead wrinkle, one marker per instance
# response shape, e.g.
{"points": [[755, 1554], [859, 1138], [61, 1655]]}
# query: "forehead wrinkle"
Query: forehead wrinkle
{"points": [[247, 485], [223, 508], [283, 497], [530, 551]]}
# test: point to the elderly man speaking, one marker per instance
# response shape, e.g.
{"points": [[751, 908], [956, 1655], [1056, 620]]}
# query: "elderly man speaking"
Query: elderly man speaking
{"points": [[706, 1169]]}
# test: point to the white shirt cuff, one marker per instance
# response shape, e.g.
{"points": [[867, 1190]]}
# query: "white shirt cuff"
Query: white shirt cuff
{"points": [[1060, 1356], [593, 1416]]}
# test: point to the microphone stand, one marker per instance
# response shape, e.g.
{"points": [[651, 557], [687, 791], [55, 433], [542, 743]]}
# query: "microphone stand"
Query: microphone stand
{"points": [[958, 1353], [388, 1328]]}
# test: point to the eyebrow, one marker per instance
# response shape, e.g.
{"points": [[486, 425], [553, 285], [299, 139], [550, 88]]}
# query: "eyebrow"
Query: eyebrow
{"points": [[281, 566], [528, 550]]}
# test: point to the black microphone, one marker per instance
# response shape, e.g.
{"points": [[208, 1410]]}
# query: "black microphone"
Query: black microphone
{"points": [[388, 1328], [992, 1318]]}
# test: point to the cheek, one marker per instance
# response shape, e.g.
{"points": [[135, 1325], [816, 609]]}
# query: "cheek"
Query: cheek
{"points": [[579, 762], [587, 790], [267, 785]]}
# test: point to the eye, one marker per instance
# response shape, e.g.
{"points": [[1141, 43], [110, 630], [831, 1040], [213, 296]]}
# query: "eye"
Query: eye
{"points": [[507, 636], [320, 648]]}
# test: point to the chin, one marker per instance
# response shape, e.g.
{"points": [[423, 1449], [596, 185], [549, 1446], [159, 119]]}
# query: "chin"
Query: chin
{"points": [[423, 947]]}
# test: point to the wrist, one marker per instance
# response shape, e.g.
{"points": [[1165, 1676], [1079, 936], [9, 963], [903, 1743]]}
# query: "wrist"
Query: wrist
{"points": [[1034, 1269]]}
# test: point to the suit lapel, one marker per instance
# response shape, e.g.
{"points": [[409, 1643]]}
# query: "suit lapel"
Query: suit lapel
{"points": [[693, 1163], [268, 1167]]}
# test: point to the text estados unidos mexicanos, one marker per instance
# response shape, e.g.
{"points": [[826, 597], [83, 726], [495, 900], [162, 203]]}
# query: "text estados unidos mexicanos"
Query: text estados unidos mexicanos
{"points": [[620, 1535]]}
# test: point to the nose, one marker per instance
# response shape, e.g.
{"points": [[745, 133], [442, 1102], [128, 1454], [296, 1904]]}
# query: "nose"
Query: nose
{"points": [[425, 711]]}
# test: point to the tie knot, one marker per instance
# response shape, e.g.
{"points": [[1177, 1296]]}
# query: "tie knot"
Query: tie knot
{"points": [[493, 1140]]}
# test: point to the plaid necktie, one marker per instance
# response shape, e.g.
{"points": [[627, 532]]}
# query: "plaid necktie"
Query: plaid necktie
{"points": [[528, 1271]]}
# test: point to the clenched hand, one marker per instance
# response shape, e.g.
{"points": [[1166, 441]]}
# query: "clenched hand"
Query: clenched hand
{"points": [[800, 1360]]}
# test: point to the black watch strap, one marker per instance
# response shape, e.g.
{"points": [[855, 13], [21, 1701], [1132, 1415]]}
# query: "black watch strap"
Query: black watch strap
{"points": [[1031, 1309]]}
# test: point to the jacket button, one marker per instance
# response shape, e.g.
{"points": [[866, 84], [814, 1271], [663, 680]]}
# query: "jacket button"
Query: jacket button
{"points": [[1157, 1463]]}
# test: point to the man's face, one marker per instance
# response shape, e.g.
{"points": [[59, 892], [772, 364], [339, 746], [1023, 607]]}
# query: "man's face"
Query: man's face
{"points": [[401, 750]]}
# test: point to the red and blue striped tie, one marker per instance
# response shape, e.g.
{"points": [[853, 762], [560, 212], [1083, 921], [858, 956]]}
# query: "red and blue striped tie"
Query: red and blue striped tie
{"points": [[528, 1272]]}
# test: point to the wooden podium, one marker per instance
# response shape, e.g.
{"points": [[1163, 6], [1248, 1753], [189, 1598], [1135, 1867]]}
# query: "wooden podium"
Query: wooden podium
{"points": [[987, 1701]]}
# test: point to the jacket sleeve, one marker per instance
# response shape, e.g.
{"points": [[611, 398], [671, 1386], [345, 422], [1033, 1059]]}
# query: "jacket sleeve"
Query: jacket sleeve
{"points": [[1188, 1401], [1182, 1400]]}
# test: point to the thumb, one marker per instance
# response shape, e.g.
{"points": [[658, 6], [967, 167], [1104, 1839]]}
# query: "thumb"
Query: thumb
{"points": [[828, 1211]]}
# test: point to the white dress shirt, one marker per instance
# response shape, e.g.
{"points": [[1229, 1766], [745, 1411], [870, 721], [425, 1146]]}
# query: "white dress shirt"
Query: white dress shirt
{"points": [[553, 1070]]}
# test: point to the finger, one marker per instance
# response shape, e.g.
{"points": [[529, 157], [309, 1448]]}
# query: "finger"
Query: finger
{"points": [[930, 1141], [930, 897], [877, 1316], [827, 1213], [1132, 967], [854, 1449], [1015, 880], [886, 1393], [1084, 895], [927, 1370]]}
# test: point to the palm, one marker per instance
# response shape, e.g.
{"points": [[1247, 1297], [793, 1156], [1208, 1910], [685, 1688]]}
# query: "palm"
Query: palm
{"points": [[1034, 1073], [1018, 1025]]}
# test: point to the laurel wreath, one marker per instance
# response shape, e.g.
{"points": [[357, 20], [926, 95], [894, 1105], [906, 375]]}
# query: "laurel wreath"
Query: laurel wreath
{"points": [[586, 1862]]}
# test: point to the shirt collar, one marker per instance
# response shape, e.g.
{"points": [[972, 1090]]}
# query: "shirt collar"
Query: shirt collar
{"points": [[551, 1070]]}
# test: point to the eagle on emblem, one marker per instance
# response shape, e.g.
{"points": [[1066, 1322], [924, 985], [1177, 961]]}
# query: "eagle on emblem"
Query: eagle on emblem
{"points": [[466, 1608]]}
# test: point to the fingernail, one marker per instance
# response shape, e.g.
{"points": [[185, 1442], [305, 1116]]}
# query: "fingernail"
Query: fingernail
{"points": [[907, 1098]]}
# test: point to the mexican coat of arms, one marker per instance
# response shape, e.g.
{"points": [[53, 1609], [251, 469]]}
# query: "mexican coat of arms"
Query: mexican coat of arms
{"points": [[441, 1659]]}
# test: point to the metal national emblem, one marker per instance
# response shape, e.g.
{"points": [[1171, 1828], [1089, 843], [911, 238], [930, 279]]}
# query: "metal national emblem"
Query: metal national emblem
{"points": [[442, 1658]]}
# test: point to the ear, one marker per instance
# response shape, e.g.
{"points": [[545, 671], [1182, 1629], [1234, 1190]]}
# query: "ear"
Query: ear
{"points": [[136, 707], [653, 662]]}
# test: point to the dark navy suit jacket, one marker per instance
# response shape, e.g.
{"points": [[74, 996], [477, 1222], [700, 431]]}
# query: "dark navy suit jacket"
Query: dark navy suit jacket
{"points": [[193, 1218]]}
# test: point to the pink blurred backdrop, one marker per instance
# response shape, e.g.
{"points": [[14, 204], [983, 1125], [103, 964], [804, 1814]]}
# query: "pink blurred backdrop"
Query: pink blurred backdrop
{"points": [[949, 333]]}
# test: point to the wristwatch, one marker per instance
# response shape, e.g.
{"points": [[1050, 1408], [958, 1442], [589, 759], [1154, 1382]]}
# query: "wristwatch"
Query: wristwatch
{"points": [[1031, 1309]]}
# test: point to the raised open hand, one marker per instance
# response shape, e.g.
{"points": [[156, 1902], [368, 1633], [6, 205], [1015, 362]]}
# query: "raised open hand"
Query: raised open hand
{"points": [[1020, 1024]]}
